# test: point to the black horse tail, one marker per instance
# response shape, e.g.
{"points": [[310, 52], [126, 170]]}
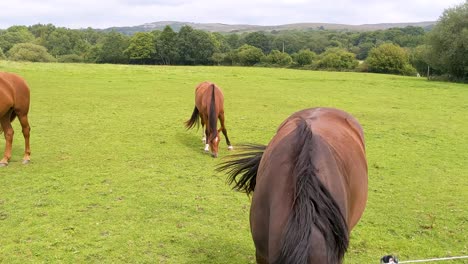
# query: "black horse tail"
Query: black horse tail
{"points": [[193, 120], [242, 168], [313, 205], [12, 117], [212, 116]]}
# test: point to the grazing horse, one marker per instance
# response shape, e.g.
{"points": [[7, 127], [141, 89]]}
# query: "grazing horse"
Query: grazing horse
{"points": [[309, 187], [14, 102], [209, 106]]}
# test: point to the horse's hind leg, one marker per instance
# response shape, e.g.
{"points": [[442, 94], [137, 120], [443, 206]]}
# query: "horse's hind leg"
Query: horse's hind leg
{"points": [[223, 129], [8, 133], [203, 129], [26, 131], [205, 134]]}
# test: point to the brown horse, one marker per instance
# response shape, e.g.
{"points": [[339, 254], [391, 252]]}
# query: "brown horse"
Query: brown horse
{"points": [[309, 187], [14, 101], [209, 106]]}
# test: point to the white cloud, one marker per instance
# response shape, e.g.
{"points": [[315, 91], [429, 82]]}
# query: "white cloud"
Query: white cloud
{"points": [[106, 13]]}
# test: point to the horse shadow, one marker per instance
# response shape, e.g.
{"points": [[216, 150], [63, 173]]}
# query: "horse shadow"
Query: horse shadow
{"points": [[219, 250]]}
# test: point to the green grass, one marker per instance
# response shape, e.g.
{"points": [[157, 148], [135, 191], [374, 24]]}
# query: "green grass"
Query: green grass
{"points": [[116, 178]]}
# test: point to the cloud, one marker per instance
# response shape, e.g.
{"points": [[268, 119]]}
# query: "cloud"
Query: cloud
{"points": [[107, 13]]}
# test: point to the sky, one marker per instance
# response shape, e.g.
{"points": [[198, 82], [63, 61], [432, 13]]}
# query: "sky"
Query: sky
{"points": [[109, 13]]}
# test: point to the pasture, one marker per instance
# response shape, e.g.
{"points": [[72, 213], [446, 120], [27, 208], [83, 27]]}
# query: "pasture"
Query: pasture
{"points": [[116, 178]]}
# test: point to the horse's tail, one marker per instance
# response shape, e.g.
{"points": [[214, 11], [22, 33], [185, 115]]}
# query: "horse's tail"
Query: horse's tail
{"points": [[193, 120], [312, 205], [244, 165], [212, 116], [12, 117]]}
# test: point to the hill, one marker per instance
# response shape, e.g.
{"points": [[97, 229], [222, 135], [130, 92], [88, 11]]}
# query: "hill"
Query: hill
{"points": [[227, 28]]}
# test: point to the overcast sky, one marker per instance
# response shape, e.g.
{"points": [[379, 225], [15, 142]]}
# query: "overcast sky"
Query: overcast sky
{"points": [[107, 13]]}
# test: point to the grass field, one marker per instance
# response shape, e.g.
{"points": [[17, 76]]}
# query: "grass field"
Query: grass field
{"points": [[116, 178]]}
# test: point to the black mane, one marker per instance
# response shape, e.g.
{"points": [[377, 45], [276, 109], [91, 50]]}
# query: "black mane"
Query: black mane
{"points": [[313, 205]]}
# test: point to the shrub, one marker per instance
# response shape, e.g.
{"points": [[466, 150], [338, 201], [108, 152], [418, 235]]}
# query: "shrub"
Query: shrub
{"points": [[304, 57], [388, 58], [71, 58], [249, 55], [279, 58], [338, 59], [29, 52]]}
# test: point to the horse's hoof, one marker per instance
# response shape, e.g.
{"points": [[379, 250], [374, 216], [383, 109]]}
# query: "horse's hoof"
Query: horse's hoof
{"points": [[26, 162], [230, 148], [3, 164]]}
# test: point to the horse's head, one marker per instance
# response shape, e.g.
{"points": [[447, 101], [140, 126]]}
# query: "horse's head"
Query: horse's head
{"points": [[214, 144]]}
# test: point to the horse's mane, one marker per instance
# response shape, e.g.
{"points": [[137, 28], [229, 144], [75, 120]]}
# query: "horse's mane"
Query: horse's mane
{"points": [[242, 168], [313, 205], [212, 116]]}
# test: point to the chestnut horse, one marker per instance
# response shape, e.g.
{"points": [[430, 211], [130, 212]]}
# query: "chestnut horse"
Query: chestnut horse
{"points": [[209, 106], [309, 187], [14, 102]]}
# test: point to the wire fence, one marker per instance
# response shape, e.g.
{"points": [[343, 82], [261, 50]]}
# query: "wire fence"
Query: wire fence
{"points": [[433, 259]]}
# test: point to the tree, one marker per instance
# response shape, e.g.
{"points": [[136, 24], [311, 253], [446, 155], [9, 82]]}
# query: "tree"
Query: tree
{"points": [[389, 58], [195, 46], [259, 40], [448, 42], [233, 40], [418, 58], [59, 42], [29, 52], [363, 50], [248, 55], [2, 55], [218, 58], [14, 35], [112, 49], [304, 57], [142, 48], [166, 46], [41, 33]]}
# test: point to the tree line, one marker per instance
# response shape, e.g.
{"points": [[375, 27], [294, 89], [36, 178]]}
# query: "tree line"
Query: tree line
{"points": [[408, 51]]}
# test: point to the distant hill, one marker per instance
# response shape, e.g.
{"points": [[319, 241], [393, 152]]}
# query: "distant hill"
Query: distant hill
{"points": [[226, 28]]}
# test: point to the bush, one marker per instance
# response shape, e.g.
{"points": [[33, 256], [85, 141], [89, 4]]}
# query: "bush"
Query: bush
{"points": [[71, 58], [304, 57], [409, 70], [279, 58], [249, 55], [29, 52], [338, 59], [388, 58], [362, 67]]}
